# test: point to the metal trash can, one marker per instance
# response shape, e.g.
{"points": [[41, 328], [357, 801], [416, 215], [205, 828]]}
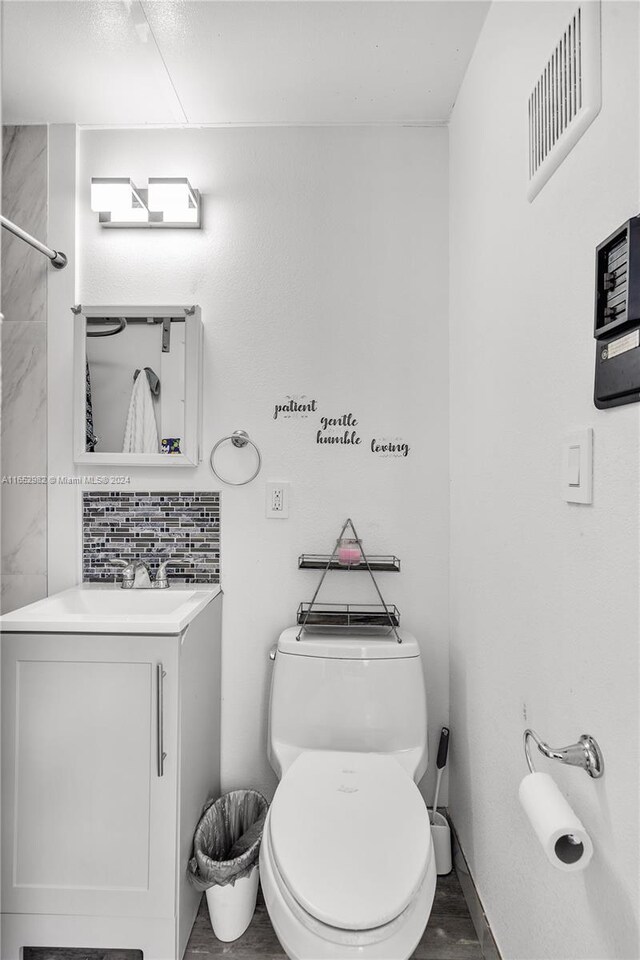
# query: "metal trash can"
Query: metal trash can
{"points": [[226, 847]]}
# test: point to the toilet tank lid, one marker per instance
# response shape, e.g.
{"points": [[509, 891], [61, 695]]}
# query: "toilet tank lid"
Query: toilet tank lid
{"points": [[348, 646]]}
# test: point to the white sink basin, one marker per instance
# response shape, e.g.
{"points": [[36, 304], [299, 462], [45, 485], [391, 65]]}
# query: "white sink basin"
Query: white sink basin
{"points": [[116, 602], [97, 608]]}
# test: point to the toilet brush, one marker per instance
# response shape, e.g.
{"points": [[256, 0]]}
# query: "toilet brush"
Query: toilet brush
{"points": [[441, 761], [440, 832]]}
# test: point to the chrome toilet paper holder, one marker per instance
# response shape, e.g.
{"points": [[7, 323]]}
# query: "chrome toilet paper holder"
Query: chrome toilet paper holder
{"points": [[585, 753]]}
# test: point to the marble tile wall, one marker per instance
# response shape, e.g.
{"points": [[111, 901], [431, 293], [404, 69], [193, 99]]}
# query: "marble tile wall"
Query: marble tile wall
{"points": [[23, 436]]}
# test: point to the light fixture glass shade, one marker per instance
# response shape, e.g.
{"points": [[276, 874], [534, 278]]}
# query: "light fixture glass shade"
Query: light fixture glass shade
{"points": [[180, 215], [110, 194], [175, 198], [130, 215]]}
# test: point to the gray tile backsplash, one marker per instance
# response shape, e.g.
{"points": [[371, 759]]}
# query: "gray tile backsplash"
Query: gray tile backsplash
{"points": [[152, 527]]}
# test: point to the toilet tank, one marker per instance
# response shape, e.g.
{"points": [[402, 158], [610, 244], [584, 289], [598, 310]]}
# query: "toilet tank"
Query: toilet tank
{"points": [[345, 692]]}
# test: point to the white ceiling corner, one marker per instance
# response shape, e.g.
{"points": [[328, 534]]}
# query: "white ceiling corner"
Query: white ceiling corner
{"points": [[138, 62]]}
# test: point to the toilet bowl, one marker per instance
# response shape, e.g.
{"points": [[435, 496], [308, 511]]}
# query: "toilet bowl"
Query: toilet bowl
{"points": [[346, 863]]}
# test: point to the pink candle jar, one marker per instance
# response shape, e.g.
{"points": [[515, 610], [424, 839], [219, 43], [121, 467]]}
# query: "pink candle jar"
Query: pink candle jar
{"points": [[349, 552]]}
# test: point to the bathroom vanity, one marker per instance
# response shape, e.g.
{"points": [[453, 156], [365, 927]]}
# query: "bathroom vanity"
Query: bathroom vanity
{"points": [[110, 748]]}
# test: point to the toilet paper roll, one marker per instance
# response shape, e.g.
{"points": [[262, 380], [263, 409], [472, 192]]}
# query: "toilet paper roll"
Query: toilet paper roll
{"points": [[563, 837]]}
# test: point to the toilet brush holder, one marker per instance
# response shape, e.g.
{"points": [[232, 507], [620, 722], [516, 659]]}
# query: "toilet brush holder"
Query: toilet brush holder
{"points": [[441, 839]]}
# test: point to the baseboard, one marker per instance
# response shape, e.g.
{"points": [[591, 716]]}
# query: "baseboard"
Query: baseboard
{"points": [[483, 930]]}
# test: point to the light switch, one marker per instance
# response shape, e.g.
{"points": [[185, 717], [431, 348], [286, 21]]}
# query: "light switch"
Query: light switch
{"points": [[577, 467], [573, 466]]}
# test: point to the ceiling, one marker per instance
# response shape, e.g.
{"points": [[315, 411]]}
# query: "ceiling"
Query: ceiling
{"points": [[135, 62]]}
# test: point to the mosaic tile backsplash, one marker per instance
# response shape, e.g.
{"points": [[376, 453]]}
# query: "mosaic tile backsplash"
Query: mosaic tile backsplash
{"points": [[152, 527]]}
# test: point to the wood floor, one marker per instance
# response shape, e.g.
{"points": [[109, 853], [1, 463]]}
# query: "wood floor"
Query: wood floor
{"points": [[450, 935]]}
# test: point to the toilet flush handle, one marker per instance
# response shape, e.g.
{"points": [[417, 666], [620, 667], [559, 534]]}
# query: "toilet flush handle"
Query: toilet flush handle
{"points": [[272, 651]]}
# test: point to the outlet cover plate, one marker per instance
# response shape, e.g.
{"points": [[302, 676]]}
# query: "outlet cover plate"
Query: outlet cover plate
{"points": [[277, 500]]}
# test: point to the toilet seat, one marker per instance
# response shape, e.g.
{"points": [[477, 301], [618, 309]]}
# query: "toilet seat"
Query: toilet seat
{"points": [[358, 939], [350, 838]]}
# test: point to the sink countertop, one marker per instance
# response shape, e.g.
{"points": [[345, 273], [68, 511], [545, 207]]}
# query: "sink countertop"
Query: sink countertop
{"points": [[107, 608]]}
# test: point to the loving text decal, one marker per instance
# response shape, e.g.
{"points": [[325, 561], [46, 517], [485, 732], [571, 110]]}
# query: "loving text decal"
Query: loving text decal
{"points": [[385, 447]]}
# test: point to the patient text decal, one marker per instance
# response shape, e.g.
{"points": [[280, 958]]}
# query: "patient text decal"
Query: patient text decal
{"points": [[297, 406]]}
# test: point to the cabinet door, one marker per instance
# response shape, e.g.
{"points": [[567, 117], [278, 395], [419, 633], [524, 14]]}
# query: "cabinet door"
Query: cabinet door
{"points": [[88, 806]]}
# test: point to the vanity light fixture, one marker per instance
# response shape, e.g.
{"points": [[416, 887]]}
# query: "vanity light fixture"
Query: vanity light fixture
{"points": [[168, 202], [118, 202], [175, 199]]}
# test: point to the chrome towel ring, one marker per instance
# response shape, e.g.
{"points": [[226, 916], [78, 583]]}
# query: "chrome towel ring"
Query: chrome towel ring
{"points": [[239, 438]]}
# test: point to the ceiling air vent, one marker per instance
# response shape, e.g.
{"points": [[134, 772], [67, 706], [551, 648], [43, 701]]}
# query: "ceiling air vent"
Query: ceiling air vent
{"points": [[567, 96]]}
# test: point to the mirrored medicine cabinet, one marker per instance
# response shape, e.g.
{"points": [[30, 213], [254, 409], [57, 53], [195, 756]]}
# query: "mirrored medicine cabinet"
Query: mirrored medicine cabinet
{"points": [[138, 386]]}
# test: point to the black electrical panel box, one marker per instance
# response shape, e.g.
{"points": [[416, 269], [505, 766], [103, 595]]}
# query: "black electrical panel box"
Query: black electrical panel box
{"points": [[617, 320]]}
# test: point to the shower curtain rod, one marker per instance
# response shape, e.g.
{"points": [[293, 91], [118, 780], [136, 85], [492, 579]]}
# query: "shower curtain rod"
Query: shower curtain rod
{"points": [[57, 258]]}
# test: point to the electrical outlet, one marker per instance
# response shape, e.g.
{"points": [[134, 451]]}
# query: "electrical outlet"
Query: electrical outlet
{"points": [[277, 505]]}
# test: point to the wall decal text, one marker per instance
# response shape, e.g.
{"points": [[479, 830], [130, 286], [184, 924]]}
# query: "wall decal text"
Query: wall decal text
{"points": [[295, 406], [396, 447], [348, 435]]}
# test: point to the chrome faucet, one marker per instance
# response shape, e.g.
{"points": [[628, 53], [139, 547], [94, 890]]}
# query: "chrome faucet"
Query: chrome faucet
{"points": [[161, 581], [135, 575]]}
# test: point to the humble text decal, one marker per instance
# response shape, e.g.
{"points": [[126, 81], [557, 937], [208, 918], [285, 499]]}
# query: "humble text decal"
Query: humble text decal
{"points": [[347, 434]]}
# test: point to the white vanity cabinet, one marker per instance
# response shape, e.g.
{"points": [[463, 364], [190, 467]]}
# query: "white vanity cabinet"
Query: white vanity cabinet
{"points": [[110, 747]]}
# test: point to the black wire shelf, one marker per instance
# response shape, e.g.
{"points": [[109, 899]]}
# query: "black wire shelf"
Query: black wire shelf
{"points": [[320, 561], [349, 615]]}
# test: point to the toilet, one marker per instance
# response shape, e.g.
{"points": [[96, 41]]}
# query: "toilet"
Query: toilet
{"points": [[346, 862]]}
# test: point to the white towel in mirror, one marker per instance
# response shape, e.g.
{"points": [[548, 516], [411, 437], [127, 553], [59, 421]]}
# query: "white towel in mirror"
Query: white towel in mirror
{"points": [[141, 431]]}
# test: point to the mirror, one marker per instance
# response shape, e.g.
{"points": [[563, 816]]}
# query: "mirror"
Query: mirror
{"points": [[137, 385]]}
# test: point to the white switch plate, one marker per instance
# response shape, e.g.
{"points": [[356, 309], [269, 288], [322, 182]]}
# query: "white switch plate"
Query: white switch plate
{"points": [[277, 500], [577, 467]]}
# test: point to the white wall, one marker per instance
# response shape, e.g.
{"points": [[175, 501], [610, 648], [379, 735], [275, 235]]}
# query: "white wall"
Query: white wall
{"points": [[321, 270], [544, 597]]}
